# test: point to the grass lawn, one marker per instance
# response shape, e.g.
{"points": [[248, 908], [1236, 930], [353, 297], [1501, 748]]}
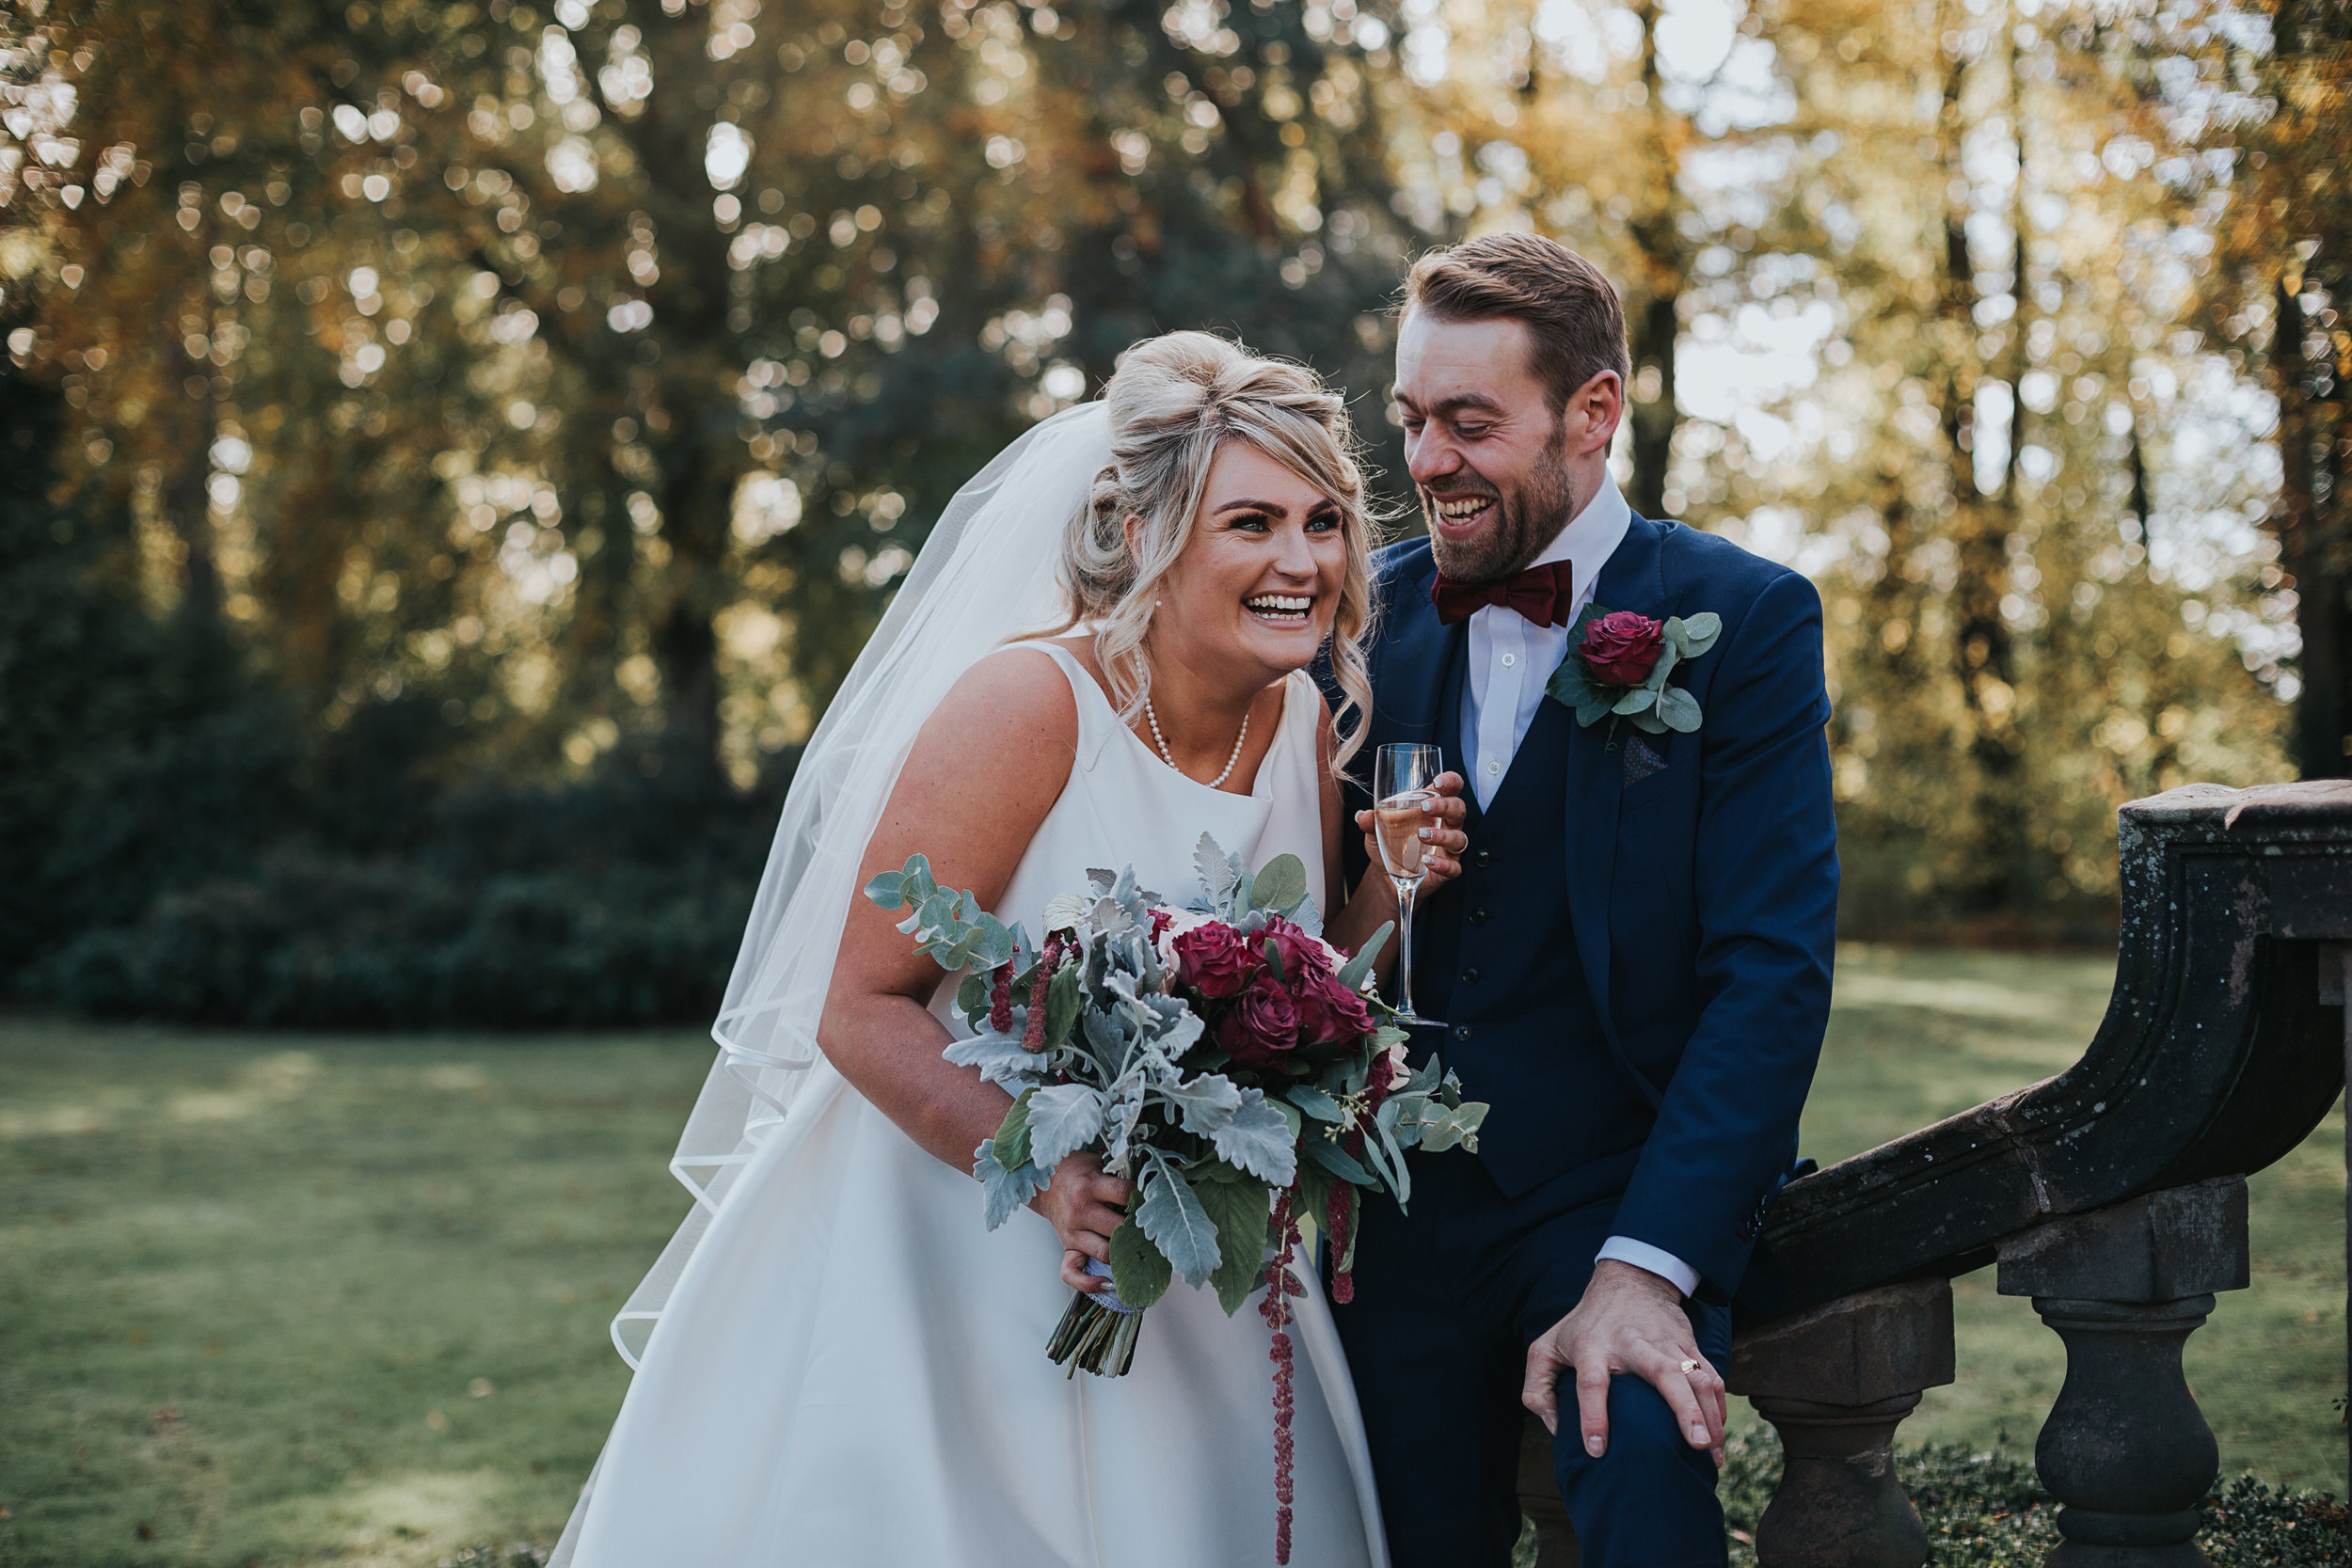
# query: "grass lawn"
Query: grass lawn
{"points": [[285, 1299]]}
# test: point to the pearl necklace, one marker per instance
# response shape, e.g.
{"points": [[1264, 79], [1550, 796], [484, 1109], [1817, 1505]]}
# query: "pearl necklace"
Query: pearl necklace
{"points": [[1169, 757]]}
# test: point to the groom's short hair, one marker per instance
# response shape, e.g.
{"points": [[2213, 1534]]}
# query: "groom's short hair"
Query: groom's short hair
{"points": [[1570, 308]]}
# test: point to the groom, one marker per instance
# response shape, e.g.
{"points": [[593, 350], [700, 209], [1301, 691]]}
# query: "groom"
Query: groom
{"points": [[1633, 969]]}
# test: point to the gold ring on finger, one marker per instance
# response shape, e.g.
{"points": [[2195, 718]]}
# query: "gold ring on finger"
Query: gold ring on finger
{"points": [[1689, 1367]]}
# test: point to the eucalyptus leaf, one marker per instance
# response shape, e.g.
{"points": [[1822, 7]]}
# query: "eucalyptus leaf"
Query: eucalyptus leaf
{"points": [[1638, 700], [972, 998], [888, 889], [1331, 1157], [1171, 1215], [1352, 973], [1668, 657], [1442, 1127], [1139, 1273], [1064, 994], [1281, 882], [1315, 1102], [1012, 1142], [1649, 723], [1678, 709], [1259, 1141], [1003, 1190], [1701, 632], [1063, 1117]]}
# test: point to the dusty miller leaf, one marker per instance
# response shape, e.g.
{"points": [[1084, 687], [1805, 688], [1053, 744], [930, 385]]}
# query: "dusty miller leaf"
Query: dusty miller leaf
{"points": [[999, 1057], [1063, 1117], [1259, 1141], [1208, 1101], [1217, 871], [1171, 1215], [1005, 1191]]}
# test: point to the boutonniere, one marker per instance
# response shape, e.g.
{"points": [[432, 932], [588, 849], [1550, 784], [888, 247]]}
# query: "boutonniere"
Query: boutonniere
{"points": [[1618, 662]]}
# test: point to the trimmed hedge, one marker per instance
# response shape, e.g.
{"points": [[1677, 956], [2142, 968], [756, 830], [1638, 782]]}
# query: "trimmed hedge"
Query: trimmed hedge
{"points": [[326, 943]]}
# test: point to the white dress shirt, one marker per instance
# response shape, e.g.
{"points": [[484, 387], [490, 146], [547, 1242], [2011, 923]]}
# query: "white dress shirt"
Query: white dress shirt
{"points": [[1510, 660]]}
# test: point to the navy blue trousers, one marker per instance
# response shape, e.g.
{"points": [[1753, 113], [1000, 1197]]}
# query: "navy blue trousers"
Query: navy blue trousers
{"points": [[1448, 1298]]}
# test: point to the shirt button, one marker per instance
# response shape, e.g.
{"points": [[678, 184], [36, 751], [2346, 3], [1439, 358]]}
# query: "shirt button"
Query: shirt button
{"points": [[1509, 660], [1493, 768]]}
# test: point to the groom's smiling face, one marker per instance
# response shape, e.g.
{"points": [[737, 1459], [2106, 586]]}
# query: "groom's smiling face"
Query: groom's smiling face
{"points": [[1500, 470]]}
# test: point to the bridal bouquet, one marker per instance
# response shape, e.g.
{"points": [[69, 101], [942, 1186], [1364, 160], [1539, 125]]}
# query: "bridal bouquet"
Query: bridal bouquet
{"points": [[1221, 1055]]}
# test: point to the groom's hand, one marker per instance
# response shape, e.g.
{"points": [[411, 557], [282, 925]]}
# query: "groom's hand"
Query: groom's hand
{"points": [[1629, 1321]]}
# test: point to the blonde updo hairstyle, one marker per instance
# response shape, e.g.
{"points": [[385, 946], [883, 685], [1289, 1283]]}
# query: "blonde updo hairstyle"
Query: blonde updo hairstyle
{"points": [[1173, 402]]}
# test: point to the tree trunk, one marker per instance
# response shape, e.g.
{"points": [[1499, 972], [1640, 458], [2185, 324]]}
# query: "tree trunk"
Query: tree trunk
{"points": [[2313, 558], [1983, 650], [1655, 323]]}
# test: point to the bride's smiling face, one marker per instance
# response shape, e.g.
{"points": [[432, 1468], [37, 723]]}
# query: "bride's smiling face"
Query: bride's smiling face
{"points": [[1258, 581]]}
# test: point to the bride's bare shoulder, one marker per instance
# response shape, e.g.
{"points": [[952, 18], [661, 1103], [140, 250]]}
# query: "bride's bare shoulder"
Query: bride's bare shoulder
{"points": [[1018, 696]]}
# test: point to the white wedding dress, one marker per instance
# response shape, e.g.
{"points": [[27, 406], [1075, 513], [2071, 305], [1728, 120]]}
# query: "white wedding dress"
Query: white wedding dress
{"points": [[850, 1371]]}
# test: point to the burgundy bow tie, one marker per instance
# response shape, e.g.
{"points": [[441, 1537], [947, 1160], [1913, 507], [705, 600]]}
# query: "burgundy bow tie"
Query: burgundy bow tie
{"points": [[1544, 594]]}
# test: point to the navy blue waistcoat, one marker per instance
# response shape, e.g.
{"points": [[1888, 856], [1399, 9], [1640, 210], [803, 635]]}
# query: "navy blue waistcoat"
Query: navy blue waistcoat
{"points": [[1495, 958]]}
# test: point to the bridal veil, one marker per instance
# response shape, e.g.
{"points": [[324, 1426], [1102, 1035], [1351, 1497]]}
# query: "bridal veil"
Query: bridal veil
{"points": [[988, 576]]}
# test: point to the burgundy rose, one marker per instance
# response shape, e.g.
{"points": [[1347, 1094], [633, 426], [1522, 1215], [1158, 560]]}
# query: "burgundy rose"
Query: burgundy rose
{"points": [[1261, 1025], [1329, 1012], [1214, 960], [1621, 648], [1301, 954]]}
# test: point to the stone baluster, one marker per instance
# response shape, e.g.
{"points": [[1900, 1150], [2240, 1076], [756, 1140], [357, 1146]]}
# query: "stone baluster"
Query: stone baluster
{"points": [[1835, 1381], [2125, 1449]]}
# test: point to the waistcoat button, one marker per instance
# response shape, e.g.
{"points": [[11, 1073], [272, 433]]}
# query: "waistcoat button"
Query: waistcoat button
{"points": [[1461, 1031], [1477, 918], [1470, 976], [1483, 859]]}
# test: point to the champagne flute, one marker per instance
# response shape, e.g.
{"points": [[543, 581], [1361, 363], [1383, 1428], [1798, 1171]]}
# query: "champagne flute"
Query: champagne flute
{"points": [[1401, 778]]}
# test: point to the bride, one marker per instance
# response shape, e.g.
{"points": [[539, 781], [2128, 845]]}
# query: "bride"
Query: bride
{"points": [[841, 1367]]}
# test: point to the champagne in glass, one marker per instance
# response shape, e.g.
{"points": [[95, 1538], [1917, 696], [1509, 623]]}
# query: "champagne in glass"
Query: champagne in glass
{"points": [[1401, 779]]}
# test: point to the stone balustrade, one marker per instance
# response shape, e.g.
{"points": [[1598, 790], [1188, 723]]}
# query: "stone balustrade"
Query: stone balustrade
{"points": [[2112, 1195]]}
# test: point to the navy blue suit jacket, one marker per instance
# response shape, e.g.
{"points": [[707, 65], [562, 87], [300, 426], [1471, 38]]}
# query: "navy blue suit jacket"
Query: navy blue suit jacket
{"points": [[1701, 895]]}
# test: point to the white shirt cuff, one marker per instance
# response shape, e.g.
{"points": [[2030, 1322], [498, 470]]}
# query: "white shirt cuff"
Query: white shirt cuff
{"points": [[1657, 1260]]}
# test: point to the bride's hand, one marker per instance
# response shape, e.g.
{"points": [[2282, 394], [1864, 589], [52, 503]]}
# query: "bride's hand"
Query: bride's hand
{"points": [[1083, 1207], [1442, 836]]}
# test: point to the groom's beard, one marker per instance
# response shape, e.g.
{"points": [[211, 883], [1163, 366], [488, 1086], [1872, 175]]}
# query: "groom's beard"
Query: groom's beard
{"points": [[1528, 516]]}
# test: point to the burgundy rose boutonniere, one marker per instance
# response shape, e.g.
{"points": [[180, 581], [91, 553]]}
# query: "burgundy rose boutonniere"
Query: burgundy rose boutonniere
{"points": [[1617, 666]]}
